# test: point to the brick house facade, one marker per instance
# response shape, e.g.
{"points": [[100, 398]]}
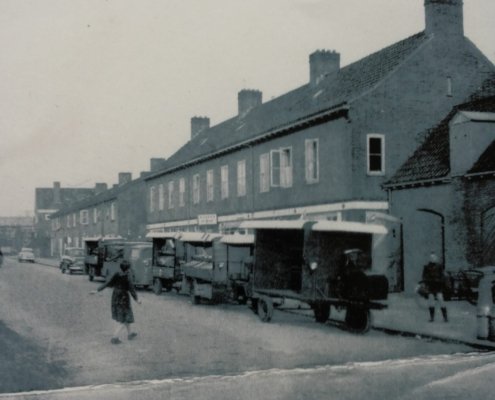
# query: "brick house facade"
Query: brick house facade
{"points": [[444, 193], [324, 148]]}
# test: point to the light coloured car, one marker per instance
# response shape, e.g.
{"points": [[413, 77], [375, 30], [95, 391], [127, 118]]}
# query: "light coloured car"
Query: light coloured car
{"points": [[26, 256]]}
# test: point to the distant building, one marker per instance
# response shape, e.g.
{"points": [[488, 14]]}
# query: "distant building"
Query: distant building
{"points": [[15, 233], [47, 202], [118, 211], [324, 149], [445, 192]]}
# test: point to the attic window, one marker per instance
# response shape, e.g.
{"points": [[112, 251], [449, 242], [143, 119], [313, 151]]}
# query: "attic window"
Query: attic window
{"points": [[449, 86]]}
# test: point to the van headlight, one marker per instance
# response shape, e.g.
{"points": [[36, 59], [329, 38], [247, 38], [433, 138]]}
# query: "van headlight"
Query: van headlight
{"points": [[313, 265]]}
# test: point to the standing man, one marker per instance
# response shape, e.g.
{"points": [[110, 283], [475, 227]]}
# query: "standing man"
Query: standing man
{"points": [[1, 257], [434, 281]]}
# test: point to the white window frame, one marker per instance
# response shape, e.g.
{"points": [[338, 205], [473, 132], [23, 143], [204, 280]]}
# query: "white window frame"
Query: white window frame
{"points": [[210, 188], [264, 172], [275, 168], [241, 178], [152, 198], [380, 136], [171, 190], [224, 177], [182, 192], [196, 189], [286, 167], [95, 215], [312, 160], [84, 217], [112, 211], [161, 197]]}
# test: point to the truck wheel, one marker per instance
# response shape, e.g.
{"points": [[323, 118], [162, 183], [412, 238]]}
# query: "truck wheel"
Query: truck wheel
{"points": [[322, 312], [157, 286], [265, 309], [91, 274], [358, 319], [168, 286]]}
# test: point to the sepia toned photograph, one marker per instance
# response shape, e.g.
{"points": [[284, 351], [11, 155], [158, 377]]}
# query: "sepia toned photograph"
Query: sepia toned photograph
{"points": [[247, 199]]}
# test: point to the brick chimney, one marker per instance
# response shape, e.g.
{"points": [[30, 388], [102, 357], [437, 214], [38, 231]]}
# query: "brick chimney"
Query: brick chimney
{"points": [[56, 193], [247, 99], [321, 63], [156, 163], [124, 177], [444, 17], [100, 187], [199, 124]]}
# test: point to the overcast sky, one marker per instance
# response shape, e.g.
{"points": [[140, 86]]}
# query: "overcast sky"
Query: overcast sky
{"points": [[91, 88]]}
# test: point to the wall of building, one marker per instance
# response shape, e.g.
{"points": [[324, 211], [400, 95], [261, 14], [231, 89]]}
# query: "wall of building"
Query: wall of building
{"points": [[333, 184], [412, 100]]}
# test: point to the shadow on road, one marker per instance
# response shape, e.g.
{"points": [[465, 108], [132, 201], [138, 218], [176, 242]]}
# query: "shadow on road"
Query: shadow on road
{"points": [[25, 366]]}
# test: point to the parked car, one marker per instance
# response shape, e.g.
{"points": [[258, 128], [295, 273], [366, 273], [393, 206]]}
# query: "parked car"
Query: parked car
{"points": [[26, 256], [72, 260]]}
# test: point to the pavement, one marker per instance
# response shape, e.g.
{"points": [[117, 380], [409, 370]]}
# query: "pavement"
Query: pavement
{"points": [[407, 315]]}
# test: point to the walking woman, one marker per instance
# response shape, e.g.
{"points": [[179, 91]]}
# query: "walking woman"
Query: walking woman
{"points": [[121, 302]]}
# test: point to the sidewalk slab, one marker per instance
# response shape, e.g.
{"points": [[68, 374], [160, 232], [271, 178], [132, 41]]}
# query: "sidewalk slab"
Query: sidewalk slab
{"points": [[408, 315]]}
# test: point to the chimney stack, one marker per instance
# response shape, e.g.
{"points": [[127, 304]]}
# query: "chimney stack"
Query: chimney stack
{"points": [[247, 99], [444, 17], [199, 124], [56, 193], [100, 187], [156, 163], [321, 63], [124, 177]]}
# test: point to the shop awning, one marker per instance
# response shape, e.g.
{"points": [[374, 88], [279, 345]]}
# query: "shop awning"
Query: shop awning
{"points": [[163, 235], [198, 236], [274, 224], [238, 239], [346, 226]]}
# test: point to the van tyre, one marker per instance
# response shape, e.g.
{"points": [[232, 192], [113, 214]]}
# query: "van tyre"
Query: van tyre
{"points": [[358, 319], [322, 312], [265, 309]]}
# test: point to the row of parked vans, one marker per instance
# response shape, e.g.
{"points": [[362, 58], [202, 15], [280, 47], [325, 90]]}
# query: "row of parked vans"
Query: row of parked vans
{"points": [[321, 264]]}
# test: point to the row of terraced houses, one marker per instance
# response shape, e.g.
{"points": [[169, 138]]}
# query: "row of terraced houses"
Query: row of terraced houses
{"points": [[404, 137]]}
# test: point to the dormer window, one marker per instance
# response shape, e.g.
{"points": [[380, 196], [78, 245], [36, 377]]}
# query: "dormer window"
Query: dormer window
{"points": [[375, 154]]}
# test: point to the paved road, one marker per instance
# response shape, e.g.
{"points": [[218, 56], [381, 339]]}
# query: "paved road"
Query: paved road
{"points": [[176, 339]]}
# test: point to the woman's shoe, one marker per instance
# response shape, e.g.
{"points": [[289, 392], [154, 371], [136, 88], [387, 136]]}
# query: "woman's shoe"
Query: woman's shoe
{"points": [[115, 340], [131, 335]]}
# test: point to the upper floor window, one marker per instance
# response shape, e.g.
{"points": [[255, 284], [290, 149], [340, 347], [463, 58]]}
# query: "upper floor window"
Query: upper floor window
{"points": [[171, 187], [241, 178], [209, 185], [74, 219], [449, 86], [161, 197], [83, 217], [195, 189], [224, 176], [152, 198], [68, 221], [312, 160], [264, 172], [182, 192], [112, 211], [281, 167], [376, 154]]}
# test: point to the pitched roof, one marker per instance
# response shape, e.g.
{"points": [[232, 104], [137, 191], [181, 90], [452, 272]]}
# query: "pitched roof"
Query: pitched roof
{"points": [[95, 199], [486, 162], [431, 160], [45, 197], [336, 88]]}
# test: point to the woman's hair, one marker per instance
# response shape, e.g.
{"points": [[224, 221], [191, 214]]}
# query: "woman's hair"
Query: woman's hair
{"points": [[125, 265]]}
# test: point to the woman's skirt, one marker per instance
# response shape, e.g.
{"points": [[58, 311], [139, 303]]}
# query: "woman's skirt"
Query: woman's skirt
{"points": [[121, 307]]}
